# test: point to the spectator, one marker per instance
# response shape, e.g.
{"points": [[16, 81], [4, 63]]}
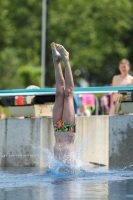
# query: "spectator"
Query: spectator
{"points": [[123, 79], [78, 106], [2, 115], [105, 104], [89, 103]]}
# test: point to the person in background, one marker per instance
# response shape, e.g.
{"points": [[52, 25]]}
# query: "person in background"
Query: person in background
{"points": [[89, 104], [78, 105], [105, 103], [123, 79], [2, 115]]}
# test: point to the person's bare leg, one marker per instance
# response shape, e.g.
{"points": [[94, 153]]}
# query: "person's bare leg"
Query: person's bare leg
{"points": [[60, 86], [59, 97], [68, 112]]}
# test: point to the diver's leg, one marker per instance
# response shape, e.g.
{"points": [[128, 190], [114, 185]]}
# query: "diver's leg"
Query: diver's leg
{"points": [[68, 152], [60, 86], [68, 111]]}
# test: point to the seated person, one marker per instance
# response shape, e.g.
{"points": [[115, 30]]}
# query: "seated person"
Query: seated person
{"points": [[123, 79], [89, 103]]}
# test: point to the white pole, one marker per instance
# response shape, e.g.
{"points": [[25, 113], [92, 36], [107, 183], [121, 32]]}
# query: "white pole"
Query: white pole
{"points": [[43, 52]]}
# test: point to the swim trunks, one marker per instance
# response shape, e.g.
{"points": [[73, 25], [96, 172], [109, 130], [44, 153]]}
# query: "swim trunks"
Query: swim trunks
{"points": [[60, 126]]}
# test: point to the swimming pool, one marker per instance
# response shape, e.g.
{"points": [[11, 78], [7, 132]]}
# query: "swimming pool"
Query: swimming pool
{"points": [[40, 183]]}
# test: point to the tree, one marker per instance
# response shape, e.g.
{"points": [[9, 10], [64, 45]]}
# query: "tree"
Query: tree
{"points": [[21, 28], [20, 40], [94, 32], [9, 63], [29, 75]]}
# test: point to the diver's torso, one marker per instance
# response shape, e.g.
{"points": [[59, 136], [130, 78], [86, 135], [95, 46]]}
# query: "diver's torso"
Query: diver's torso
{"points": [[64, 146], [64, 137]]}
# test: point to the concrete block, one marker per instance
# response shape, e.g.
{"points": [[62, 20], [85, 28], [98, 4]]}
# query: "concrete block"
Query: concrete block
{"points": [[121, 140], [92, 138], [22, 136], [3, 142]]}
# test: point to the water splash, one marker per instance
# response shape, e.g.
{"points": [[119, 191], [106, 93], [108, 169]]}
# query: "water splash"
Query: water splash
{"points": [[56, 167]]}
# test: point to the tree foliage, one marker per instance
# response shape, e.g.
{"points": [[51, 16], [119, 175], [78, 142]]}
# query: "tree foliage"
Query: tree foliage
{"points": [[9, 63], [20, 40], [29, 75], [96, 33], [21, 28]]}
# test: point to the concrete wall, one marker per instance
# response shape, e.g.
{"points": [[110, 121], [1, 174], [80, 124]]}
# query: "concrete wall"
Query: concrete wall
{"points": [[92, 138], [102, 139], [2, 142], [17, 139], [121, 140]]}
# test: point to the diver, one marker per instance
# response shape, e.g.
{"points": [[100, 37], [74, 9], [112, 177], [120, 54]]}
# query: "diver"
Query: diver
{"points": [[63, 111]]}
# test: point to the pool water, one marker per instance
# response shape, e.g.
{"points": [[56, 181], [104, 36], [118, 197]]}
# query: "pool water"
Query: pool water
{"points": [[59, 181], [65, 183]]}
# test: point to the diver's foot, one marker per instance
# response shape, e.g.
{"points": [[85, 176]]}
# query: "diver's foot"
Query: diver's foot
{"points": [[63, 52], [56, 55]]}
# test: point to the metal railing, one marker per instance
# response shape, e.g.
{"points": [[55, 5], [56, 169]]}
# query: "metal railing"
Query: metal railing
{"points": [[77, 90]]}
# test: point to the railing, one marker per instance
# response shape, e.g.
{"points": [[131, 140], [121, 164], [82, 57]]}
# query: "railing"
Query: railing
{"points": [[77, 90]]}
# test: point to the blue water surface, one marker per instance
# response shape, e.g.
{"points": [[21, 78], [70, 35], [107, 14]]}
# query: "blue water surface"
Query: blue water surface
{"points": [[65, 183]]}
